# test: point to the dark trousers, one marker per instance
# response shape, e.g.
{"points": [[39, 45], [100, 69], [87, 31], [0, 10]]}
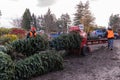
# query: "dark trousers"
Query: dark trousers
{"points": [[110, 43]]}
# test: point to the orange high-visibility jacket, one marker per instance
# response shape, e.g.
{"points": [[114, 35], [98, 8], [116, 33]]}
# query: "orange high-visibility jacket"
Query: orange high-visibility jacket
{"points": [[110, 34], [32, 34]]}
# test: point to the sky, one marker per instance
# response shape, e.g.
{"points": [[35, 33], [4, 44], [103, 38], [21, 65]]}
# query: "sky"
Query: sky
{"points": [[101, 9]]}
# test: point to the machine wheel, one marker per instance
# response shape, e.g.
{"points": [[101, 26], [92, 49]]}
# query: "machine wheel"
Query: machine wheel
{"points": [[85, 51], [99, 36]]}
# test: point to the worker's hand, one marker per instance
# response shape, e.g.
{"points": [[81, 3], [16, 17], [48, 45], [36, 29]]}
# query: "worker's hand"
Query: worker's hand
{"points": [[83, 34]]}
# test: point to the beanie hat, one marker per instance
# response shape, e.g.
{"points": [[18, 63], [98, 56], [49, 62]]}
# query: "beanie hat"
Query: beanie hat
{"points": [[33, 29]]}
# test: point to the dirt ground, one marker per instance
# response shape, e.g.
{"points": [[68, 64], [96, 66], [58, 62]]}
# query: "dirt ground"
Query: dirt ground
{"points": [[100, 64]]}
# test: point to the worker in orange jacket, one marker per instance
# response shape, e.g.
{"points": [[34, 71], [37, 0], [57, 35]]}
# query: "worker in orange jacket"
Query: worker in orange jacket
{"points": [[32, 32], [110, 37]]}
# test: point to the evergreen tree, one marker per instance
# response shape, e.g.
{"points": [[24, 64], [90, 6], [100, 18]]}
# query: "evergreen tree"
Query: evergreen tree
{"points": [[26, 20], [59, 25], [65, 19], [79, 13], [84, 16], [41, 22], [34, 20], [114, 21], [49, 21]]}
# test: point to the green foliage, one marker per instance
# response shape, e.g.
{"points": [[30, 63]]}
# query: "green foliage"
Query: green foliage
{"points": [[38, 64], [114, 21], [6, 67], [49, 21], [3, 48], [63, 53], [4, 31], [34, 20], [45, 36], [84, 16], [63, 22], [8, 38], [67, 41], [29, 46], [26, 19]]}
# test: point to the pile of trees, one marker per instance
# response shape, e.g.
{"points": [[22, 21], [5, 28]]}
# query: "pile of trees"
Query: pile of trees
{"points": [[33, 59], [67, 41]]}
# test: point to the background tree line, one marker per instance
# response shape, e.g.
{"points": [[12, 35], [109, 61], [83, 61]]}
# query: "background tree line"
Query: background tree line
{"points": [[47, 22], [50, 23]]}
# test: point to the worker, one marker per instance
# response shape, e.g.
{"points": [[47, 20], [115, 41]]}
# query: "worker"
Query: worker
{"points": [[32, 32], [110, 37], [84, 42]]}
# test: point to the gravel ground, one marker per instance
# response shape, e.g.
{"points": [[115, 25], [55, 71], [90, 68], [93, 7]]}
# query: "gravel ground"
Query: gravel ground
{"points": [[100, 64]]}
